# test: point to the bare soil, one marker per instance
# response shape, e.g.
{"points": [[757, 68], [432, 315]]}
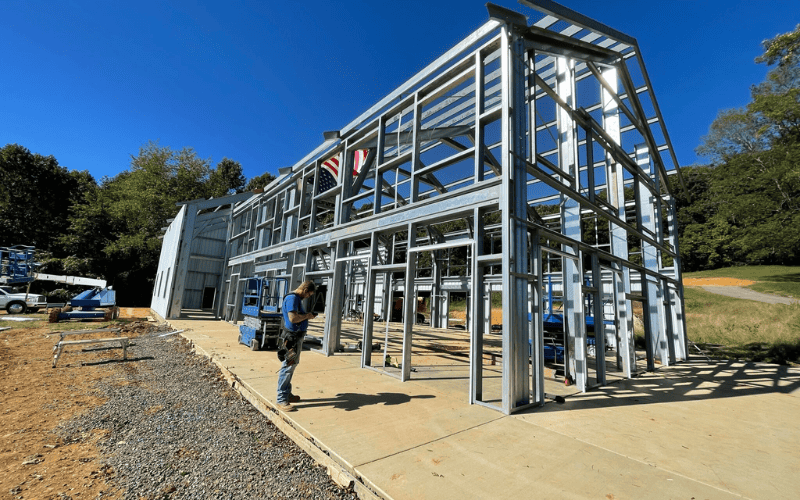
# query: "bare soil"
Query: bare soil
{"points": [[34, 398], [716, 282], [497, 315]]}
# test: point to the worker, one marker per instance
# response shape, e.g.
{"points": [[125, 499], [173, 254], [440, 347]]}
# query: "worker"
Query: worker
{"points": [[295, 324]]}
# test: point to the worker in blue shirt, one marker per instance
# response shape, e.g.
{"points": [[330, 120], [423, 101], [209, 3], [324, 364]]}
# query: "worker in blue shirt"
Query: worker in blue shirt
{"points": [[295, 324]]}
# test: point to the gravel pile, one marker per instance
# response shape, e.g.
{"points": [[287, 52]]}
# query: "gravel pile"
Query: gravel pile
{"points": [[177, 430]]}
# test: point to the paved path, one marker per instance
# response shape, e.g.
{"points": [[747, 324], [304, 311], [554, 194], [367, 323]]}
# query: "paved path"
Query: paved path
{"points": [[739, 292]]}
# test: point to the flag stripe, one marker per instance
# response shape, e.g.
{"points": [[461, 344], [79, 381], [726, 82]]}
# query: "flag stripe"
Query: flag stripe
{"points": [[329, 173]]}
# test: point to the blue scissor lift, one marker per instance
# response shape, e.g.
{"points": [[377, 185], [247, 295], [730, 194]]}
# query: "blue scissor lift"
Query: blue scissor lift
{"points": [[261, 307], [554, 326]]}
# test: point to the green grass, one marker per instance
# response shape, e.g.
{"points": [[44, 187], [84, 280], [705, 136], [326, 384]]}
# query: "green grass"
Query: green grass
{"points": [[461, 304], [776, 288], [743, 329], [778, 280], [40, 317], [458, 305], [753, 273]]}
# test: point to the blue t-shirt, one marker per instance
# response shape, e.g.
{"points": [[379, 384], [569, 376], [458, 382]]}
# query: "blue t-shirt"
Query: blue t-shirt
{"points": [[293, 302]]}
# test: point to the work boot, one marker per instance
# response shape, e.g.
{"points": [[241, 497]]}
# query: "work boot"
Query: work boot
{"points": [[285, 407], [294, 399]]}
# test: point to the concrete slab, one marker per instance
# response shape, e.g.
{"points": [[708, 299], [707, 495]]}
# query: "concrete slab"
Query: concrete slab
{"points": [[720, 442], [508, 458], [360, 408], [697, 429]]}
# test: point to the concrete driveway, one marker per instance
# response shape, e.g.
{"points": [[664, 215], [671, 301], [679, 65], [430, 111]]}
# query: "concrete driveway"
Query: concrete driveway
{"points": [[739, 292]]}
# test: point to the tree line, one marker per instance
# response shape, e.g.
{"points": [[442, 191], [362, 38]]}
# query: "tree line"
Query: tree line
{"points": [[109, 229]]}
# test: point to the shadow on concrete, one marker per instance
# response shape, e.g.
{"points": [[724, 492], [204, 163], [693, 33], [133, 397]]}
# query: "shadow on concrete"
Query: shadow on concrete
{"points": [[696, 379], [350, 401]]}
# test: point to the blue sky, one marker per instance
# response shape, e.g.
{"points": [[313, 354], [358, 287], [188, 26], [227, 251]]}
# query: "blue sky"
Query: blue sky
{"points": [[258, 82]]}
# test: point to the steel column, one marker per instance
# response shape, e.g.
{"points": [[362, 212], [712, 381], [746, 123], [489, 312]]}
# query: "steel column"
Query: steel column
{"points": [[676, 293], [335, 300], [369, 303], [476, 327], [568, 161], [655, 336], [615, 181], [408, 303], [514, 236]]}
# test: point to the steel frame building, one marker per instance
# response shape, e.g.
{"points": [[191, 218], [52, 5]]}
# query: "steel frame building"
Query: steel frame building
{"points": [[527, 153]]}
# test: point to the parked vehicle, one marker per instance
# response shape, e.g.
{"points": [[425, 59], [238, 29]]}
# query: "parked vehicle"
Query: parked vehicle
{"points": [[20, 302]]}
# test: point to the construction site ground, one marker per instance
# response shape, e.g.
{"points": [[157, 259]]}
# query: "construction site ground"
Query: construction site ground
{"points": [[34, 399], [699, 429]]}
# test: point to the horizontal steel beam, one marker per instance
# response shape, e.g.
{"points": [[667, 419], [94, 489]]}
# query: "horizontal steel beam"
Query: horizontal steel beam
{"points": [[560, 12], [442, 207]]}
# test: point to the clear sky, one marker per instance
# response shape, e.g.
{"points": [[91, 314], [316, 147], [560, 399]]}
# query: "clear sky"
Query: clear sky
{"points": [[259, 81]]}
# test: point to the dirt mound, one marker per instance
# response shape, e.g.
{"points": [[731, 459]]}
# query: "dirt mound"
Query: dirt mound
{"points": [[141, 328], [716, 282]]}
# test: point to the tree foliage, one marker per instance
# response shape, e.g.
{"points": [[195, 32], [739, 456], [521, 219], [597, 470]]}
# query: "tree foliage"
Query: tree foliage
{"points": [[110, 230], [745, 206], [783, 49], [226, 179], [36, 194], [259, 181], [733, 132], [115, 232]]}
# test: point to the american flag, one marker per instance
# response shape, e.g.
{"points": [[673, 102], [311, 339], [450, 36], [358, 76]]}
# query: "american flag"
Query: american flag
{"points": [[329, 173]]}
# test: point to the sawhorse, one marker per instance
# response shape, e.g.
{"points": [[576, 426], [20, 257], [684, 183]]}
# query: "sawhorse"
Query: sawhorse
{"points": [[59, 347]]}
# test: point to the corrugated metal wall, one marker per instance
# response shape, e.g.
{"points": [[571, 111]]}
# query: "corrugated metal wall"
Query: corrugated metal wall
{"points": [[167, 263], [205, 263]]}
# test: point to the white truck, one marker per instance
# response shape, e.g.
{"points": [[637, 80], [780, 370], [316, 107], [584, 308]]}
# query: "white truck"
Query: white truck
{"points": [[19, 303]]}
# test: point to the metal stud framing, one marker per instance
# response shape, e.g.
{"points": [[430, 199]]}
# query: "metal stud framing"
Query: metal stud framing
{"points": [[503, 151]]}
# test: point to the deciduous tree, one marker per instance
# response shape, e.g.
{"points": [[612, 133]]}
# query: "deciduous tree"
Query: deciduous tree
{"points": [[36, 194], [259, 181], [226, 179]]}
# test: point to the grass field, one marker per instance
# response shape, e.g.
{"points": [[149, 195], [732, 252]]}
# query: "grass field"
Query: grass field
{"points": [[743, 329], [732, 328], [780, 280]]}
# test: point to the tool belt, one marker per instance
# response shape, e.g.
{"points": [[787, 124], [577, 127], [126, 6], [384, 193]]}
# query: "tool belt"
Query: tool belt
{"points": [[287, 345]]}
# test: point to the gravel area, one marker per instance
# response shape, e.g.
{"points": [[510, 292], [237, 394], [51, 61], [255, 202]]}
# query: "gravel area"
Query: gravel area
{"points": [[738, 292], [175, 429]]}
